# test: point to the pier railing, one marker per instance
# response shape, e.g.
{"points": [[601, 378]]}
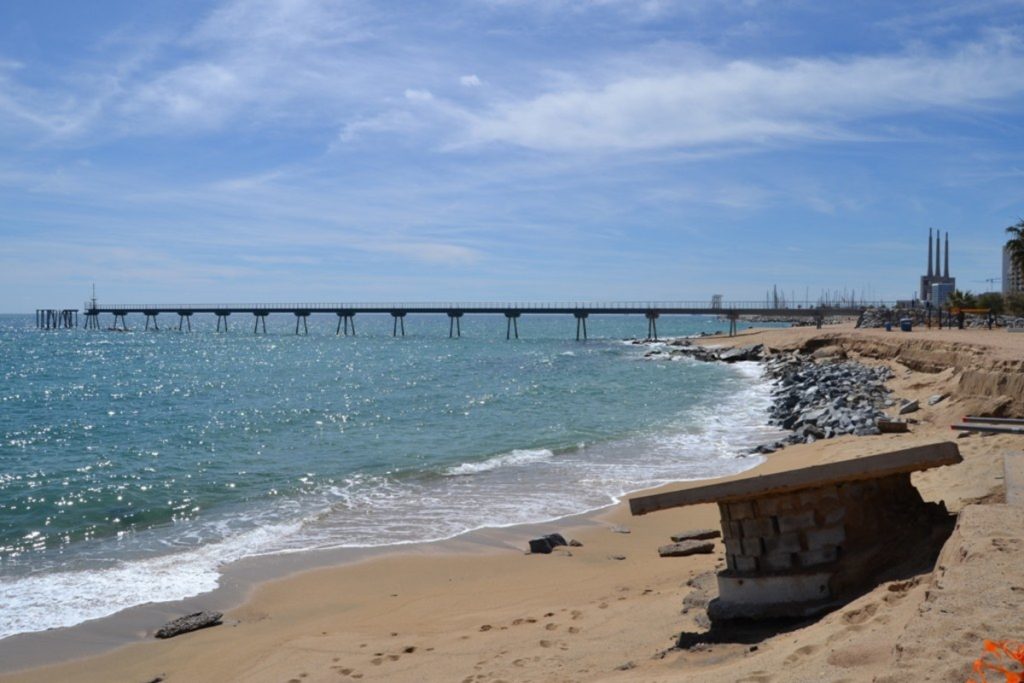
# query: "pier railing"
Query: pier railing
{"points": [[483, 306]]}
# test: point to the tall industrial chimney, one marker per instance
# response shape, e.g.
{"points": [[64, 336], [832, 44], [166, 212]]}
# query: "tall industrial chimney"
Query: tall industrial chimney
{"points": [[929, 252], [947, 255], [938, 253]]}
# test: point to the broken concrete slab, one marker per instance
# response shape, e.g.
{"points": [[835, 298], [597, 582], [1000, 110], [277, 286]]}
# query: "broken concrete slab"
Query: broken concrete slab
{"points": [[696, 535], [866, 467], [687, 548], [908, 407]]}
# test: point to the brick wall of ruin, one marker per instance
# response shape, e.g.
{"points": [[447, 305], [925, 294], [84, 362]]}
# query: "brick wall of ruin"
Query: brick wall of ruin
{"points": [[815, 527]]}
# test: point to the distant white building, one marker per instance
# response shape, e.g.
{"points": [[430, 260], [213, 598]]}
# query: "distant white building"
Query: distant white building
{"points": [[1012, 280], [941, 292]]}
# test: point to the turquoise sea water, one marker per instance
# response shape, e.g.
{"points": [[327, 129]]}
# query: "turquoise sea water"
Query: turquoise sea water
{"points": [[133, 465]]}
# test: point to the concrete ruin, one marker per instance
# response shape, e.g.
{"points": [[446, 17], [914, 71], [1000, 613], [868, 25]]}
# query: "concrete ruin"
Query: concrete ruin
{"points": [[804, 542]]}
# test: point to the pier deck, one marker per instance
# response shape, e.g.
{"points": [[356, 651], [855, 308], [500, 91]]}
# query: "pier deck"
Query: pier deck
{"points": [[346, 312]]}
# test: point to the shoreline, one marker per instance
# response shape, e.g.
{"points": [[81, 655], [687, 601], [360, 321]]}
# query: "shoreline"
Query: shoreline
{"points": [[239, 578], [371, 515], [311, 605]]}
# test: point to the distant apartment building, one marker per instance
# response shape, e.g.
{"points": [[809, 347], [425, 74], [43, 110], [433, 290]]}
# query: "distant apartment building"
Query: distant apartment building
{"points": [[1012, 280]]}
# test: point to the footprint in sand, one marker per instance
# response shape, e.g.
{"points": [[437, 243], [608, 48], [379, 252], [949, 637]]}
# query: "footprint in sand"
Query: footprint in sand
{"points": [[577, 615], [573, 629], [859, 616], [376, 661], [486, 627], [546, 643], [757, 677], [551, 627], [804, 651]]}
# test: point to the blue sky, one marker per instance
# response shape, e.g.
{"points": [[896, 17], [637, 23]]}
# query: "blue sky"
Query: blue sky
{"points": [[337, 150]]}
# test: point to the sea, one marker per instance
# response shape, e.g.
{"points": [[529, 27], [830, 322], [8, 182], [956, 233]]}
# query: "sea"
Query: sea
{"points": [[134, 466]]}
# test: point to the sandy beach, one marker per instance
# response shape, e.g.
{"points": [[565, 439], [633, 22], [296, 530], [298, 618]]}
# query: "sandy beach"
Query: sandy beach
{"points": [[611, 609]]}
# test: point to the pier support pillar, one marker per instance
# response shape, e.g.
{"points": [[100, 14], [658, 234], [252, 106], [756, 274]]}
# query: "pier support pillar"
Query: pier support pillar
{"points": [[151, 315], [304, 317], [454, 320], [124, 325], [259, 317], [511, 324], [92, 320], [345, 319], [652, 325], [185, 318], [399, 323], [581, 320], [222, 315]]}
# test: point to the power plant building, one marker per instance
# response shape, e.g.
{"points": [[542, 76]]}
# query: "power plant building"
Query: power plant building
{"points": [[937, 274]]}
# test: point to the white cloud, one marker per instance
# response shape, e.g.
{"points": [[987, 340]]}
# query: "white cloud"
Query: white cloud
{"points": [[418, 95], [743, 102], [395, 121], [435, 253], [471, 81], [257, 59]]}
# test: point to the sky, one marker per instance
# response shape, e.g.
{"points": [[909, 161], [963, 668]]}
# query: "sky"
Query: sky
{"points": [[243, 151]]}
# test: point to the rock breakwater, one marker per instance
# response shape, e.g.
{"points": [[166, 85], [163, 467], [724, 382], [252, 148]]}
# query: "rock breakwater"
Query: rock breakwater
{"points": [[817, 395], [820, 400]]}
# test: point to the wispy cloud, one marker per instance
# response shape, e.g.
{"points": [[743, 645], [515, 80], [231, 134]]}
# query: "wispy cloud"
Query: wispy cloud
{"points": [[748, 102]]}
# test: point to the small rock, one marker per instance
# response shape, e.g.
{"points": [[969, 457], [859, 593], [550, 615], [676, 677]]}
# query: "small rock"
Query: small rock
{"points": [[616, 557], [686, 548], [620, 530], [556, 540], [540, 546], [544, 544], [696, 535], [575, 544], [932, 400], [909, 407], [625, 667], [188, 623]]}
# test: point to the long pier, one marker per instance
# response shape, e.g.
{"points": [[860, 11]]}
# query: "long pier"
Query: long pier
{"points": [[346, 312]]}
